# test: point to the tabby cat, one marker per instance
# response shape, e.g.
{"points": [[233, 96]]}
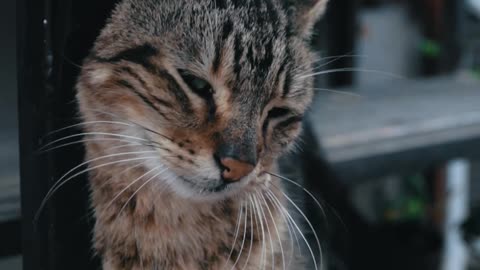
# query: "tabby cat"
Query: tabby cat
{"points": [[186, 105]]}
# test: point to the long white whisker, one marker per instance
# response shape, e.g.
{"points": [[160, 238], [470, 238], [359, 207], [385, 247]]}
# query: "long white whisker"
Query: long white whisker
{"points": [[237, 230], [327, 58], [263, 258], [352, 70], [251, 241], [243, 240], [138, 190], [130, 185], [96, 159], [268, 230], [309, 224], [335, 59], [291, 231], [121, 146], [87, 140], [317, 65], [136, 124], [85, 124], [346, 93], [276, 229], [304, 190], [60, 184], [93, 133], [302, 235], [121, 173]]}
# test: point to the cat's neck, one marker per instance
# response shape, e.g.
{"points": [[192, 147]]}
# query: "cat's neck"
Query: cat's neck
{"points": [[173, 230]]}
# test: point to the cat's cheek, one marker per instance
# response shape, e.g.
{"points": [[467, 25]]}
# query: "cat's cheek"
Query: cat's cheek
{"points": [[286, 135], [99, 76]]}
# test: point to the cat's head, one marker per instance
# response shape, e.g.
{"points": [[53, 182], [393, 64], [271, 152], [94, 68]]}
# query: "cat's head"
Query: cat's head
{"points": [[213, 91]]}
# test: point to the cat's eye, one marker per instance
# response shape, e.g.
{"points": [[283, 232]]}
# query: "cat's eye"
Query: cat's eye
{"points": [[278, 112], [199, 86]]}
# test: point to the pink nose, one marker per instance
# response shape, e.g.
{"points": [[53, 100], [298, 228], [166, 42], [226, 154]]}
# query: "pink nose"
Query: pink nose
{"points": [[234, 170]]}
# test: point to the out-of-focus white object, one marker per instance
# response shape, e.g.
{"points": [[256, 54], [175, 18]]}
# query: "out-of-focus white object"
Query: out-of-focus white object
{"points": [[474, 6], [455, 251]]}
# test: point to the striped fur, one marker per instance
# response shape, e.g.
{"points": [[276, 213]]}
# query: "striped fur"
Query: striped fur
{"points": [[253, 54]]}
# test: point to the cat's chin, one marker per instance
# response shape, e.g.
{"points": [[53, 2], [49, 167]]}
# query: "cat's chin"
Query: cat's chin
{"points": [[218, 191]]}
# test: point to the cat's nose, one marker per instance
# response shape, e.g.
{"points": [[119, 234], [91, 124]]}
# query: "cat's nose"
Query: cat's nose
{"points": [[234, 170], [235, 160]]}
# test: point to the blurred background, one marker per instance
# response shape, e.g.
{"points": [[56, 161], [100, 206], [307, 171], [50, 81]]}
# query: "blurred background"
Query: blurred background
{"points": [[391, 145]]}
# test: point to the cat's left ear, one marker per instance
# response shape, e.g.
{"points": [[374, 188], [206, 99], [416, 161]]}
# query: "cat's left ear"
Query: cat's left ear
{"points": [[306, 13]]}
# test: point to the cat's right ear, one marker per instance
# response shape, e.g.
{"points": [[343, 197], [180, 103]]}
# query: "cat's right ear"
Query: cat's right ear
{"points": [[305, 13]]}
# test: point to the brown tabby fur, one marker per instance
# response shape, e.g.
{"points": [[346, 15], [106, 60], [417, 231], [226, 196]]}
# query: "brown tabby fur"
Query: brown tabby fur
{"points": [[137, 108]]}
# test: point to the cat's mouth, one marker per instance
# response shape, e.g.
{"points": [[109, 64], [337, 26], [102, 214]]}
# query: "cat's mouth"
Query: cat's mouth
{"points": [[207, 186], [217, 189], [211, 188]]}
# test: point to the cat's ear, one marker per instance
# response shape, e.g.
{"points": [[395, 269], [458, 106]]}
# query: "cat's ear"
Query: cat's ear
{"points": [[305, 13]]}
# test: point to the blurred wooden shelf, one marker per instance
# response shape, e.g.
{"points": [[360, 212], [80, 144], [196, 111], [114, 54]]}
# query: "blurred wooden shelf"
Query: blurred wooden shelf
{"points": [[401, 124]]}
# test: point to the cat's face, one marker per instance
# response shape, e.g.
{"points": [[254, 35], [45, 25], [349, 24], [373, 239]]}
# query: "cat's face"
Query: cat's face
{"points": [[214, 90]]}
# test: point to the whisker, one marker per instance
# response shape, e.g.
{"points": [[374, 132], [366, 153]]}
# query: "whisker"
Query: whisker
{"points": [[304, 190], [93, 133], [100, 158], [122, 146], [84, 141], [309, 224], [338, 92], [349, 54], [121, 173], [138, 190], [243, 240], [336, 58], [134, 123], [263, 258], [68, 60], [268, 229], [251, 241], [59, 184], [84, 124], [291, 231], [129, 186], [352, 70], [328, 60], [300, 232], [276, 229], [237, 230]]}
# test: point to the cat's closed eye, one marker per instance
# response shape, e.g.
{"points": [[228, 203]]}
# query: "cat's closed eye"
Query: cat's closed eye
{"points": [[199, 86], [278, 112]]}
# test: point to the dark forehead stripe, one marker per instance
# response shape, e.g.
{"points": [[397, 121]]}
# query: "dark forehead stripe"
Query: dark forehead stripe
{"points": [[141, 55], [264, 64], [272, 11], [138, 55], [287, 84], [238, 52], [137, 77], [257, 3], [238, 3], [227, 30], [177, 91], [220, 4], [130, 87], [288, 73]]}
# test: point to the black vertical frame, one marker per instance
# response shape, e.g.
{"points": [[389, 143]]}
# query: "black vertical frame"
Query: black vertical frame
{"points": [[53, 38], [34, 176], [341, 35]]}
